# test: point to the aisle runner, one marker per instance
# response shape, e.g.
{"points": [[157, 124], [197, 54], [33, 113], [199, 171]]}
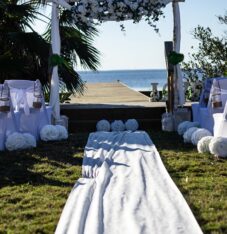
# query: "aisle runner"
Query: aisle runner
{"points": [[126, 189]]}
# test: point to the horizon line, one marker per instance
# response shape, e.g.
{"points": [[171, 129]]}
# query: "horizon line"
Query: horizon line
{"points": [[123, 69]]}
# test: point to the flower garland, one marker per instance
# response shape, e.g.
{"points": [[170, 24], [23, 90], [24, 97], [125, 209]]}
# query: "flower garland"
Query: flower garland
{"points": [[86, 11]]}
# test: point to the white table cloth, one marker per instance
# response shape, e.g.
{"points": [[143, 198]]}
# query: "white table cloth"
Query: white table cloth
{"points": [[125, 189]]}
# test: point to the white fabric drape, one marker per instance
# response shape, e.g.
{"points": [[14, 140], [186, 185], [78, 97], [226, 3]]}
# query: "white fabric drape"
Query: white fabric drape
{"points": [[179, 97], [125, 189], [56, 47]]}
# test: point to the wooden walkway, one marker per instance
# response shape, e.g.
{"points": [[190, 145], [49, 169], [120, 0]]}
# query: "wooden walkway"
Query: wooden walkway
{"points": [[106, 93], [111, 101]]}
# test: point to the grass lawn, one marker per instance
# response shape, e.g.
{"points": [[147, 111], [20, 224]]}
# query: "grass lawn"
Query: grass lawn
{"points": [[34, 184]]}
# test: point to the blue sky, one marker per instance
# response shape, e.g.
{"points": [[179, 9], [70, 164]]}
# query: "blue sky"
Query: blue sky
{"points": [[142, 48]]}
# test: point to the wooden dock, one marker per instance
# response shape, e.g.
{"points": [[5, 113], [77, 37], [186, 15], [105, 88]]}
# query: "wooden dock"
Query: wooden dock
{"points": [[117, 92], [111, 101]]}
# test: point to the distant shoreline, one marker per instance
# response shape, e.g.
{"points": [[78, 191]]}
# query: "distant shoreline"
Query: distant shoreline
{"points": [[122, 70]]}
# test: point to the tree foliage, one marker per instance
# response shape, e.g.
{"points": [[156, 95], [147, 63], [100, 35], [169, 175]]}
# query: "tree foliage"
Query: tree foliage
{"points": [[210, 59], [24, 54]]}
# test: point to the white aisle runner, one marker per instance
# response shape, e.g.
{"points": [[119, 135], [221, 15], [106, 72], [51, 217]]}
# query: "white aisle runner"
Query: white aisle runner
{"points": [[125, 190]]}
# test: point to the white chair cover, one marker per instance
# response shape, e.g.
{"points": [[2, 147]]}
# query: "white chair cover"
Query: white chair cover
{"points": [[29, 119], [7, 124], [220, 123], [202, 111]]}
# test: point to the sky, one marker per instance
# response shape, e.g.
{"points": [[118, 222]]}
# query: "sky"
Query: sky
{"points": [[140, 47]]}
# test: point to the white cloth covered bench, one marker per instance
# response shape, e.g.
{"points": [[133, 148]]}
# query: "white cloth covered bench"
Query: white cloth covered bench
{"points": [[125, 189]]}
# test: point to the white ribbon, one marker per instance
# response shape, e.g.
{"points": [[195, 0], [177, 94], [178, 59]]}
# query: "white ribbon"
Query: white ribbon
{"points": [[21, 100]]}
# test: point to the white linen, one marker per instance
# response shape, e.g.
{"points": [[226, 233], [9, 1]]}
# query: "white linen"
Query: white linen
{"points": [[56, 48], [205, 113], [28, 119], [195, 112], [126, 189], [7, 124], [220, 123], [7, 127]]}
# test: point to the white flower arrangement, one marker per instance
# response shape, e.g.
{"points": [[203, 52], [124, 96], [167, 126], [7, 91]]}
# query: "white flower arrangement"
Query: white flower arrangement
{"points": [[182, 127], [62, 132], [30, 140], [131, 125], [53, 133], [117, 126], [104, 10], [199, 134], [185, 125], [218, 146], [203, 144], [19, 141], [103, 125], [188, 134], [49, 133]]}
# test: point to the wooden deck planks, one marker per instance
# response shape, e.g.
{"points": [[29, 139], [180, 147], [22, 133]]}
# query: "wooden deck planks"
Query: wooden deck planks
{"points": [[97, 93]]}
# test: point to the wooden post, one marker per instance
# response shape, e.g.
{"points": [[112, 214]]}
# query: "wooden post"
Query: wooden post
{"points": [[170, 76]]}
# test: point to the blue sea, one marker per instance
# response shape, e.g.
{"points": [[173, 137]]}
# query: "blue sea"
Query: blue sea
{"points": [[139, 80]]}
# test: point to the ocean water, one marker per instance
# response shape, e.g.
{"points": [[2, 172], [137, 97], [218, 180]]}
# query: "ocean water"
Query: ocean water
{"points": [[139, 80]]}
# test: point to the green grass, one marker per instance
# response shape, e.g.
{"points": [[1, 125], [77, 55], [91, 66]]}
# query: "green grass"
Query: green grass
{"points": [[34, 184]]}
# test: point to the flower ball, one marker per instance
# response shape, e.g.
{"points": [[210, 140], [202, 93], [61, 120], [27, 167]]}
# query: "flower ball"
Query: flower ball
{"points": [[103, 125], [203, 144], [188, 134], [199, 134], [218, 146], [117, 126], [131, 125]]}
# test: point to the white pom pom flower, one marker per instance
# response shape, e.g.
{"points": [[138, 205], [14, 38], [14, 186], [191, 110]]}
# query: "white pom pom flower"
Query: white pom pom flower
{"points": [[15, 141], [218, 146], [199, 134], [131, 125], [103, 125], [182, 127], [188, 134], [29, 140], [193, 124], [117, 126], [62, 132], [203, 144], [49, 133]]}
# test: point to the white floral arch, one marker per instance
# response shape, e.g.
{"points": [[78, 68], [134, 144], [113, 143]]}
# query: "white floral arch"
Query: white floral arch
{"points": [[89, 11]]}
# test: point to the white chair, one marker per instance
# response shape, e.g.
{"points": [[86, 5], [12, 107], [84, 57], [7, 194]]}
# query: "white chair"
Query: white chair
{"points": [[29, 106], [7, 117], [220, 123], [213, 99]]}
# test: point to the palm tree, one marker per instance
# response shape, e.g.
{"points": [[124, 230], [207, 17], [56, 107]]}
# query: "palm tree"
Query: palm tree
{"points": [[24, 54]]}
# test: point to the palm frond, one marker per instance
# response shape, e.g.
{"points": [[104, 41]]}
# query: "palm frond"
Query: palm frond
{"points": [[78, 47]]}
